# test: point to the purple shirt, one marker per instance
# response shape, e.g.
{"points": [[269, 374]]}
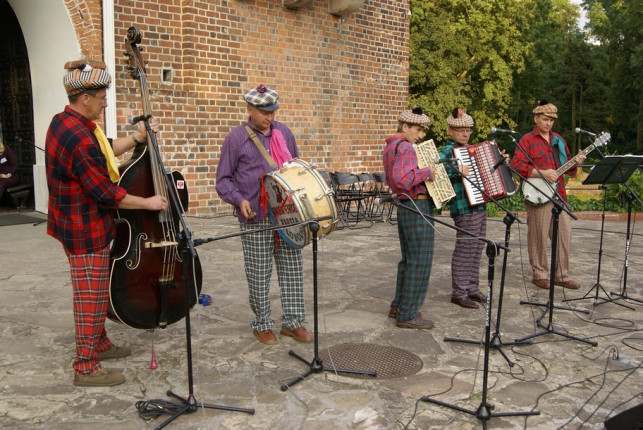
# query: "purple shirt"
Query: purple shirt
{"points": [[241, 166]]}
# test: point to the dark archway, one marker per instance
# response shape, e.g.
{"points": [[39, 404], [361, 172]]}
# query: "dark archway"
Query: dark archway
{"points": [[16, 109]]}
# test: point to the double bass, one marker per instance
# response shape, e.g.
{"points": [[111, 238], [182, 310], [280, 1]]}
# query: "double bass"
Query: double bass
{"points": [[149, 271]]}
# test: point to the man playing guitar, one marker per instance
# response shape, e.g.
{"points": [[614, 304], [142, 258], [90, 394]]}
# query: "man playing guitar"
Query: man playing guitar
{"points": [[548, 151]]}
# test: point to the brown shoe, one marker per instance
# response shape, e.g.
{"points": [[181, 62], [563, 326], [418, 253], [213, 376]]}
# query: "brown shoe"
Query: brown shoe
{"points": [[102, 378], [464, 302], [478, 296], [392, 313], [568, 284], [300, 334], [541, 283], [115, 352], [417, 322], [265, 336]]}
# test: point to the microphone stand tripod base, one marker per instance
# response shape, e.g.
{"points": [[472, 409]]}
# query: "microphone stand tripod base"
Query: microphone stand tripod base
{"points": [[316, 364]]}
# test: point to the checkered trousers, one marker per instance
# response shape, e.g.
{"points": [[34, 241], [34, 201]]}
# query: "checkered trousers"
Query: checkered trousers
{"points": [[258, 251], [90, 283], [465, 262], [416, 237]]}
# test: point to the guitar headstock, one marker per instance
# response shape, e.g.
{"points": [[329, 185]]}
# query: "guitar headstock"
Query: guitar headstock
{"points": [[136, 65], [602, 139]]}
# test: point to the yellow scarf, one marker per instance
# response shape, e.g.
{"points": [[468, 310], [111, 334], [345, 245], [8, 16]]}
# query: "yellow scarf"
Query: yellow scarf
{"points": [[108, 152]]}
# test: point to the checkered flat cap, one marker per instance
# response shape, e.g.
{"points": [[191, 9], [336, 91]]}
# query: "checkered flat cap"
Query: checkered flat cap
{"points": [[414, 116], [85, 75], [546, 108], [459, 119], [263, 98]]}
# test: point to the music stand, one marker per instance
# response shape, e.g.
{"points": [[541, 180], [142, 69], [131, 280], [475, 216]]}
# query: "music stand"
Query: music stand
{"points": [[610, 170], [617, 170]]}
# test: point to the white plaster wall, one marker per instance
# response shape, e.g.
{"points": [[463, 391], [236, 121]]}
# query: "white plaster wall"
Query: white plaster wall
{"points": [[51, 41]]}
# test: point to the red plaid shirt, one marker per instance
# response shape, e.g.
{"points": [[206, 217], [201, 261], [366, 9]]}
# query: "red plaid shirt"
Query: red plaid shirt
{"points": [[82, 198], [544, 156], [403, 175]]}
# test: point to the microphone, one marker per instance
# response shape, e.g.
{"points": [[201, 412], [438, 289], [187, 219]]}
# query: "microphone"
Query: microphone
{"points": [[444, 160], [581, 131], [388, 199], [135, 119], [503, 130], [498, 164]]}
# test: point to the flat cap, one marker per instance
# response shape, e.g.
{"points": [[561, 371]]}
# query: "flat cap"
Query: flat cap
{"points": [[459, 119], [83, 75], [263, 98], [546, 108], [414, 116]]}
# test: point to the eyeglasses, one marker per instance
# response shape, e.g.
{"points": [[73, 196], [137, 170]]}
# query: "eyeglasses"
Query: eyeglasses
{"points": [[462, 130], [103, 98]]}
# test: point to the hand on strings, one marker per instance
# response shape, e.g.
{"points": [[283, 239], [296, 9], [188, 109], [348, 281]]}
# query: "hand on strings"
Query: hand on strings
{"points": [[141, 133], [580, 158], [157, 203], [548, 174]]}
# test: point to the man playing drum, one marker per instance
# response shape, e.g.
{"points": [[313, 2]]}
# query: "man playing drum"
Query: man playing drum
{"points": [[239, 182]]}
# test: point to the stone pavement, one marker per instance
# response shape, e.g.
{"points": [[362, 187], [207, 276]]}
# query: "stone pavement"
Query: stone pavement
{"points": [[573, 384]]}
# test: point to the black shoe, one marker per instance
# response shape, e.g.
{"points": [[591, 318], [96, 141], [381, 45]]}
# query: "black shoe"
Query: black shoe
{"points": [[478, 296], [464, 302]]}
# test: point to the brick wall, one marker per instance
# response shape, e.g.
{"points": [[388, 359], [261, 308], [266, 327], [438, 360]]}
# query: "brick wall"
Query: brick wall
{"points": [[341, 81]]}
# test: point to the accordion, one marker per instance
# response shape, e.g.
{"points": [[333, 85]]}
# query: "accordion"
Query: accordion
{"points": [[485, 172]]}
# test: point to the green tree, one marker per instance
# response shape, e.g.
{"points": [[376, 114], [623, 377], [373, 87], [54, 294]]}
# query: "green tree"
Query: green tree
{"points": [[616, 26], [466, 53]]}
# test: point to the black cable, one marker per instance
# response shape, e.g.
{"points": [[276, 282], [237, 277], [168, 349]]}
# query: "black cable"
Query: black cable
{"points": [[150, 409]]}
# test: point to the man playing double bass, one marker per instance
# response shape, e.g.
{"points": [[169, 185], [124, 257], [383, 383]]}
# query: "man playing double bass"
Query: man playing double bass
{"points": [[81, 177]]}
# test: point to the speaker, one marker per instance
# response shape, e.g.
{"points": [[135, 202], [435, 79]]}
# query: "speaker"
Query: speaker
{"points": [[631, 419]]}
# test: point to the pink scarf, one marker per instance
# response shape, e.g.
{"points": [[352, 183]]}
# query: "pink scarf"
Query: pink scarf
{"points": [[278, 149]]}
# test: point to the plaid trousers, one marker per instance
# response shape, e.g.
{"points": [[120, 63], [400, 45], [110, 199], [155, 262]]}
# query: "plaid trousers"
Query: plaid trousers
{"points": [[259, 248], [416, 237], [465, 262], [539, 230], [90, 283]]}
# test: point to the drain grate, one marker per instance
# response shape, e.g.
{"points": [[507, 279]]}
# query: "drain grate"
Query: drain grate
{"points": [[386, 361]]}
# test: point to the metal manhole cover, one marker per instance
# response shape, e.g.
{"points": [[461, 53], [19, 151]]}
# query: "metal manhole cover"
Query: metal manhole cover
{"points": [[386, 361]]}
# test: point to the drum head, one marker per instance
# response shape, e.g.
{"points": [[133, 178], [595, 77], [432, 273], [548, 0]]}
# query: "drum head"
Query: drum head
{"points": [[285, 208]]}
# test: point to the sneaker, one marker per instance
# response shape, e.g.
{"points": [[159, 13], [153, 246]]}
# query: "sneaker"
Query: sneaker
{"points": [[115, 352], [102, 378], [417, 322]]}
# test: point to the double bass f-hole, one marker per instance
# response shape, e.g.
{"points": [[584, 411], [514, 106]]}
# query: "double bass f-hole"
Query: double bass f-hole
{"points": [[147, 281]]}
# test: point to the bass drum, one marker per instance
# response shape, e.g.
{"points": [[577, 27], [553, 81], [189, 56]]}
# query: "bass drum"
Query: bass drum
{"points": [[296, 193]]}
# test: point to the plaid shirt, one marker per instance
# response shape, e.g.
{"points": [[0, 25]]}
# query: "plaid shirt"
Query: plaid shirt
{"points": [[82, 198], [544, 156], [401, 168], [459, 205]]}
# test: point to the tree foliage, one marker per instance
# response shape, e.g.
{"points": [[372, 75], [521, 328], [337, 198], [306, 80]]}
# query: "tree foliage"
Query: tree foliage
{"points": [[497, 58]]}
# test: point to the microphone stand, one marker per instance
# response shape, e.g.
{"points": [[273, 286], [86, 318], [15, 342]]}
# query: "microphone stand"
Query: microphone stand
{"points": [[558, 206], [188, 255], [483, 412], [622, 294], [496, 341]]}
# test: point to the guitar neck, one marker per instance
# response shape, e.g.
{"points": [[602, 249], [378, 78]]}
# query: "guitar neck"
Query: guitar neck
{"points": [[562, 169]]}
